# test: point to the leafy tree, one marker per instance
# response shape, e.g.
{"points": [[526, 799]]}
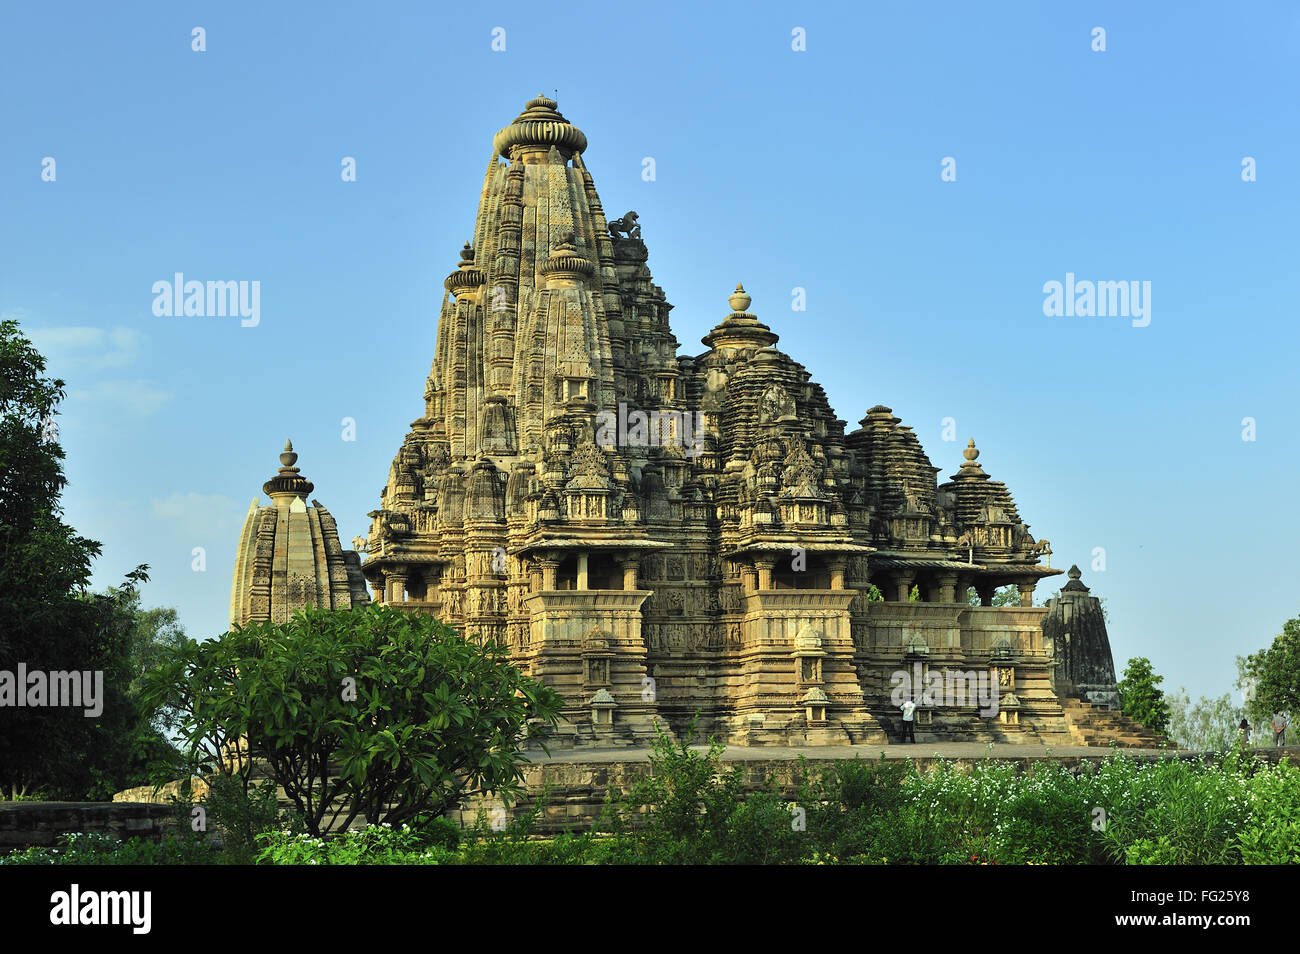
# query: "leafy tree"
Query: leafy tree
{"points": [[48, 622], [1270, 678], [370, 711], [1204, 725], [1140, 695]]}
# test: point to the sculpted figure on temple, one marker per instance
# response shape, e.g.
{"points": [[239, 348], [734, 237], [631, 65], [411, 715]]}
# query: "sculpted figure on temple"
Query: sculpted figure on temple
{"points": [[626, 227]]}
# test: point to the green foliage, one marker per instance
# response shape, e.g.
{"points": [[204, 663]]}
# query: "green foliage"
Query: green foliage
{"points": [[1274, 675], [51, 624], [373, 845], [97, 848], [1119, 811], [1140, 695], [239, 813], [874, 595], [691, 810], [369, 711], [1204, 725]]}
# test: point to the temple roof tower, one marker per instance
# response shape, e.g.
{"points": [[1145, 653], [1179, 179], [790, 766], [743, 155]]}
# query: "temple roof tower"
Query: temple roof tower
{"points": [[654, 533], [289, 554]]}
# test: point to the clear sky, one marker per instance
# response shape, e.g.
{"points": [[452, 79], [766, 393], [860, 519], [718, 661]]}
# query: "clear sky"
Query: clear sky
{"points": [[819, 169]]}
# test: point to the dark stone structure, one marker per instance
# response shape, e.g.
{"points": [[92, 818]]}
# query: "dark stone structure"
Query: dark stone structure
{"points": [[1076, 625]]}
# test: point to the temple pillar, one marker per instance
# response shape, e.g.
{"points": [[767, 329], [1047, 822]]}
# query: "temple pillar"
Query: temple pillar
{"points": [[985, 591], [1026, 593], [837, 574], [582, 571], [905, 581], [396, 588], [948, 588], [630, 567], [549, 568], [765, 573]]}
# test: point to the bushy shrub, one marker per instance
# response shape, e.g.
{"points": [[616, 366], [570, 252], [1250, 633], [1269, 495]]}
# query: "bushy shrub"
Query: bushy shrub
{"points": [[99, 848], [372, 845]]}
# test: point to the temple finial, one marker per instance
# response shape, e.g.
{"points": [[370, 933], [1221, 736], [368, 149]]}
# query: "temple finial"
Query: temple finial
{"points": [[740, 299]]}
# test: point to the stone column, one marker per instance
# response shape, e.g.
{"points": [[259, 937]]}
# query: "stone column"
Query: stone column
{"points": [[396, 583], [630, 567], [1027, 593], [549, 566], [985, 591], [765, 573], [948, 588], [905, 581], [837, 574], [748, 579], [582, 571]]}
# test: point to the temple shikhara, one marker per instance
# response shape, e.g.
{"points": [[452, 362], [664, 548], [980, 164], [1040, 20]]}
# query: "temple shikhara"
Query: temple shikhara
{"points": [[659, 534]]}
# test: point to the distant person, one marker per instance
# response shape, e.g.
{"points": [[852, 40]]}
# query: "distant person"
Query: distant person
{"points": [[909, 730], [1245, 733], [1279, 728]]}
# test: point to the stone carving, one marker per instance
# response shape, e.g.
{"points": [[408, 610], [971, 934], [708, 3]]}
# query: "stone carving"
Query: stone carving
{"points": [[505, 460], [776, 405], [626, 227]]}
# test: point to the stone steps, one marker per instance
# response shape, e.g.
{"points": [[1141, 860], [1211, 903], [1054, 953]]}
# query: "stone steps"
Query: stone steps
{"points": [[1092, 726]]}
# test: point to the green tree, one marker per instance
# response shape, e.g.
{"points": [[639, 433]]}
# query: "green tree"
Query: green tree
{"points": [[1140, 695], [48, 622], [1206, 724], [370, 711], [1270, 678]]}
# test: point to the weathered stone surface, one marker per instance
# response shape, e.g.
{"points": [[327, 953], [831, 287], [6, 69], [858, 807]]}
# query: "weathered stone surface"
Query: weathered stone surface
{"points": [[40, 823], [658, 534], [289, 554]]}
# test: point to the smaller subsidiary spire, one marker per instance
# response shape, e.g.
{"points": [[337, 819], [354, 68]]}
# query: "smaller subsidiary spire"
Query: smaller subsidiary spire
{"points": [[288, 484], [970, 468], [740, 329], [1076, 582]]}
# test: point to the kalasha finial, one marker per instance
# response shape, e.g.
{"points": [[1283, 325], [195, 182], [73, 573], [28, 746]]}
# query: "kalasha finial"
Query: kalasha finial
{"points": [[288, 458], [467, 253], [739, 300], [971, 452], [1074, 573]]}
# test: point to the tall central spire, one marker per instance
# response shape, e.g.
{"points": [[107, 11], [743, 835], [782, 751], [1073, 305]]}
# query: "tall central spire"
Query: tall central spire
{"points": [[533, 325]]}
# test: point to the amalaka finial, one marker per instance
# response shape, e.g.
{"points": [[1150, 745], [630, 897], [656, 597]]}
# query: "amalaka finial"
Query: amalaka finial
{"points": [[739, 299], [971, 452], [1074, 573], [288, 458]]}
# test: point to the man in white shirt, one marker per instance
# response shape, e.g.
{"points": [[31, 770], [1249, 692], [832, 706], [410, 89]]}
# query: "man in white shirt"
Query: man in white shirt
{"points": [[909, 730], [1279, 728]]}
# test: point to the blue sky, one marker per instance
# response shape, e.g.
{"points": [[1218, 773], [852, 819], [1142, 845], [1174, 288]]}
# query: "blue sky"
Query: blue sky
{"points": [[816, 169]]}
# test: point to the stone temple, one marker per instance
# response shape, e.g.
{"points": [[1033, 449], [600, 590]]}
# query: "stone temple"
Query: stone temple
{"points": [[662, 535]]}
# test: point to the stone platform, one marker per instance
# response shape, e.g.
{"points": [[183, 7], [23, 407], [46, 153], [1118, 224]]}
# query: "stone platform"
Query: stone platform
{"points": [[578, 782]]}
